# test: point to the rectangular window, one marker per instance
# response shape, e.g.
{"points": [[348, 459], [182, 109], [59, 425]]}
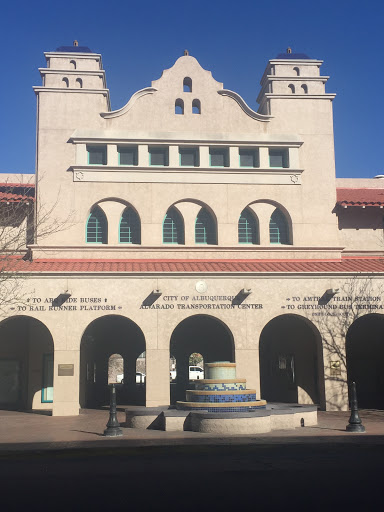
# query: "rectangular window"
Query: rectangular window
{"points": [[219, 157], [158, 156], [278, 158], [97, 155], [127, 155], [249, 157], [189, 157]]}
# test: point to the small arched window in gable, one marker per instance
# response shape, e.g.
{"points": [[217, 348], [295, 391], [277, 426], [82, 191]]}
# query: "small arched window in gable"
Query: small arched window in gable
{"points": [[297, 71], [179, 106], [205, 228], [248, 228], [304, 89], [196, 107], [173, 227], [97, 227], [65, 82], [79, 83], [130, 228], [292, 88], [187, 84], [278, 228], [72, 64]]}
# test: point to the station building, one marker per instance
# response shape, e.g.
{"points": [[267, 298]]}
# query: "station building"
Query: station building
{"points": [[184, 222]]}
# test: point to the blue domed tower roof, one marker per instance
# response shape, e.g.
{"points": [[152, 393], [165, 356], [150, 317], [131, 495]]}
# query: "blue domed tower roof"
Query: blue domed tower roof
{"points": [[74, 49], [293, 56]]}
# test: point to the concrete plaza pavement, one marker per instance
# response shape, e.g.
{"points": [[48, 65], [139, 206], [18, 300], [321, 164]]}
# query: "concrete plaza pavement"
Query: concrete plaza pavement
{"points": [[66, 464], [23, 430]]}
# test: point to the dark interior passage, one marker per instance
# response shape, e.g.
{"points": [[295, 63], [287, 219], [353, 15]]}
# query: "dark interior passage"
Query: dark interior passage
{"points": [[26, 364], [201, 334], [291, 363], [365, 360], [111, 334]]}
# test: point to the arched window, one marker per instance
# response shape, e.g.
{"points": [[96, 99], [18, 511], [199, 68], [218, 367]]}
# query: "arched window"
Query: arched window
{"points": [[97, 227], [65, 82], [278, 228], [179, 106], [173, 227], [79, 83], [187, 84], [305, 89], [292, 87], [130, 229], [72, 64], [205, 228], [196, 107], [297, 71], [248, 228]]}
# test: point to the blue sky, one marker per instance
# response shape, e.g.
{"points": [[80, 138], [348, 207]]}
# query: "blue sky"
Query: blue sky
{"points": [[234, 40]]}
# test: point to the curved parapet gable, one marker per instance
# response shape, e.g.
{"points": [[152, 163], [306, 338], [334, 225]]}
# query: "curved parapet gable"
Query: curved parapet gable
{"points": [[246, 108], [129, 105]]}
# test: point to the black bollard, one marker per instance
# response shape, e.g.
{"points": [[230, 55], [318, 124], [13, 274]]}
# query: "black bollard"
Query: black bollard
{"points": [[113, 426], [354, 424]]}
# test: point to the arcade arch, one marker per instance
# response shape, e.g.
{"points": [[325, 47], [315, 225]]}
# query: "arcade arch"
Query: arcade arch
{"points": [[202, 334], [104, 337], [365, 360], [291, 361], [26, 364]]}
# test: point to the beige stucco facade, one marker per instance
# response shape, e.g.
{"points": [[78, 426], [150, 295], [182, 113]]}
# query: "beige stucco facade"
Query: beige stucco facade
{"points": [[287, 333]]}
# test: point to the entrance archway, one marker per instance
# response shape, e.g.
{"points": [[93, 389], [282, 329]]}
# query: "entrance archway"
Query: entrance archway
{"points": [[104, 337], [291, 361], [365, 360], [201, 334], [26, 364]]}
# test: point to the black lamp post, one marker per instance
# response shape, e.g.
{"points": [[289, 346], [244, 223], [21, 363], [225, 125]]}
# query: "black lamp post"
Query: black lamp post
{"points": [[354, 423], [113, 426]]}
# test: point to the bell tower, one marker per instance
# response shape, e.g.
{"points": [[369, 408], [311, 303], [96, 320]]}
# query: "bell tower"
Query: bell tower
{"points": [[291, 76], [72, 95]]}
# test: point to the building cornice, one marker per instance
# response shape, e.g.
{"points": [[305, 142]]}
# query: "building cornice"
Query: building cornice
{"points": [[326, 96], [41, 88], [203, 138], [48, 71], [73, 55]]}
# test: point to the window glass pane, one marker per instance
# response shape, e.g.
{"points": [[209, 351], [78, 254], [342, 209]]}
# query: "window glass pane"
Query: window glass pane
{"points": [[128, 156], [219, 157], [188, 157], [278, 228], [173, 228], [97, 227], [278, 158], [248, 158], [130, 231], [97, 155], [248, 228], [158, 156], [205, 232]]}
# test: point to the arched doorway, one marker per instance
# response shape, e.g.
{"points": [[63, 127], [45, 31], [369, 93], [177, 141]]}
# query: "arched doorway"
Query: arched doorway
{"points": [[291, 361], [107, 336], [200, 334], [26, 364], [365, 360]]}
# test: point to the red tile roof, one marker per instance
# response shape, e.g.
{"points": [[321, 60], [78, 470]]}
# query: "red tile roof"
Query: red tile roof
{"points": [[345, 265], [360, 196], [16, 192]]}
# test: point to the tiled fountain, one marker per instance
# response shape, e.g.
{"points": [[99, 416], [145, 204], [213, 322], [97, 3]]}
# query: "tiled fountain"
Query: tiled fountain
{"points": [[222, 404], [221, 392]]}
